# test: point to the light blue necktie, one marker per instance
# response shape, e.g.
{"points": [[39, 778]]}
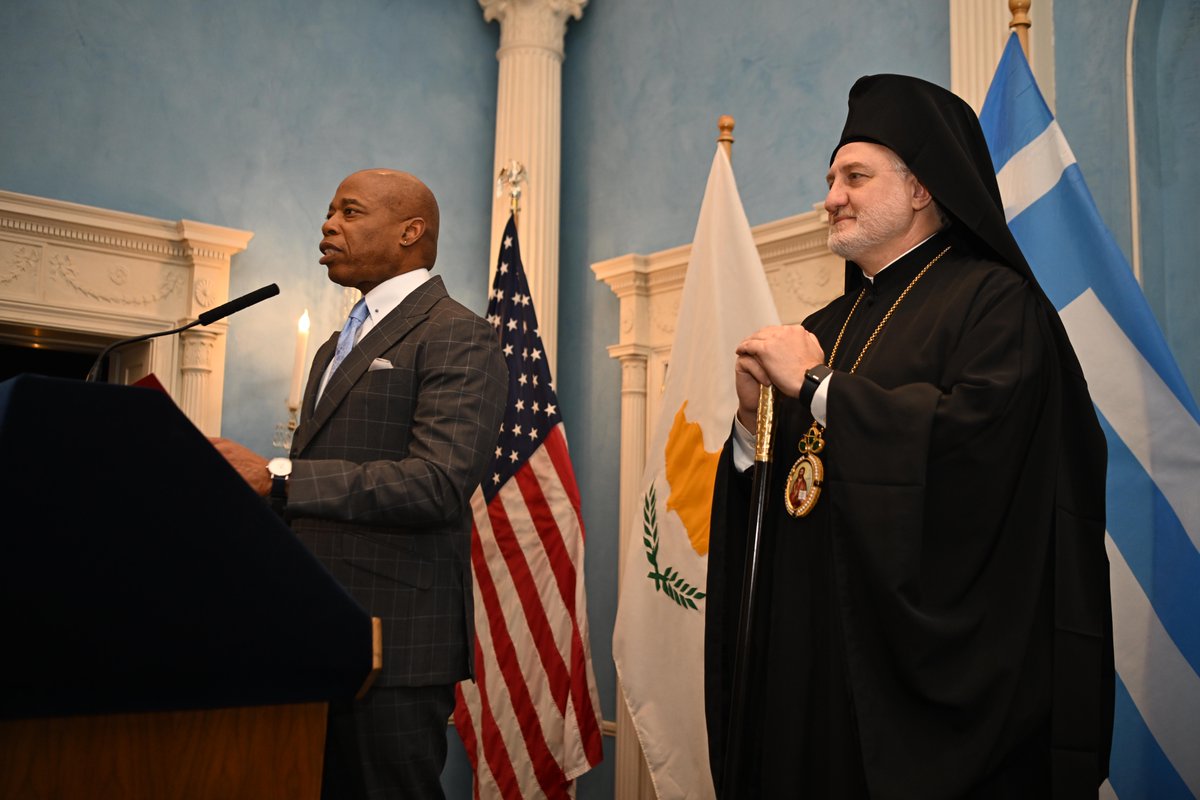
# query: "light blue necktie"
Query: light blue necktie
{"points": [[349, 334]]}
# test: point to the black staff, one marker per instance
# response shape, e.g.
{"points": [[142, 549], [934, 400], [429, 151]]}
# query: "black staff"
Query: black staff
{"points": [[736, 741]]}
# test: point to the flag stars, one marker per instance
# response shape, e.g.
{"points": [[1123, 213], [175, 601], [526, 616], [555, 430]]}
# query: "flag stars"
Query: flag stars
{"points": [[512, 324], [533, 434], [512, 456], [499, 452], [520, 405], [537, 407], [508, 350], [550, 409], [537, 354], [507, 242], [524, 379], [503, 267], [516, 430], [496, 476]]}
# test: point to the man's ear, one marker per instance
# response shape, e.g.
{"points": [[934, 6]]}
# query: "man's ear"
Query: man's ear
{"points": [[414, 229], [921, 197]]}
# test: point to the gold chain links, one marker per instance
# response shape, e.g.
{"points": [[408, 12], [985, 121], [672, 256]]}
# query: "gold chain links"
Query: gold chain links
{"points": [[882, 322]]}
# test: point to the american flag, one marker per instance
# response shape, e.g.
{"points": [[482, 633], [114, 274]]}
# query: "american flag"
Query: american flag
{"points": [[530, 721]]}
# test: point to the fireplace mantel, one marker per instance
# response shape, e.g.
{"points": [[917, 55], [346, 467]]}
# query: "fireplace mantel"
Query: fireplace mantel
{"points": [[72, 273]]}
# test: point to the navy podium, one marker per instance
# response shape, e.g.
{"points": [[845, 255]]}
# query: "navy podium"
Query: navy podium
{"points": [[165, 634]]}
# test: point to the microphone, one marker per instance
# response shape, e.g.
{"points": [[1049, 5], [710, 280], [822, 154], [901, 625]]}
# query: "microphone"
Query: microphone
{"points": [[207, 318], [233, 306]]}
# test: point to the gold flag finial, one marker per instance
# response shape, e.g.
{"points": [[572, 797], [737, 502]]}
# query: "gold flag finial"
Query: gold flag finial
{"points": [[1020, 22], [725, 126]]}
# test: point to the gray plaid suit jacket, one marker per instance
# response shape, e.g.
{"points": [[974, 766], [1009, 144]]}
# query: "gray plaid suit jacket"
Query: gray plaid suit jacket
{"points": [[384, 467]]}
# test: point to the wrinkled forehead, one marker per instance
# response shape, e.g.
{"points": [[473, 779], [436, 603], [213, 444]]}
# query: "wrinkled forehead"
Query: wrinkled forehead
{"points": [[870, 154]]}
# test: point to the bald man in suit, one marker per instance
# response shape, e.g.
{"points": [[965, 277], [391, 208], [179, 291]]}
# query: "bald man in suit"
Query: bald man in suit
{"points": [[398, 422]]}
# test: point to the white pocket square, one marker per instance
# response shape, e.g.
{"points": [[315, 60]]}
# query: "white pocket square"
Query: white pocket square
{"points": [[379, 363]]}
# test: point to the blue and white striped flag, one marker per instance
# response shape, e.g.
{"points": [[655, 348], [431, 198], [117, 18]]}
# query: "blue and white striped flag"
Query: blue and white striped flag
{"points": [[1151, 422]]}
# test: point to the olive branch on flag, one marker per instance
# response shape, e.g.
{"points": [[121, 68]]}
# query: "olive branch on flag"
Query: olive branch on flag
{"points": [[670, 582]]}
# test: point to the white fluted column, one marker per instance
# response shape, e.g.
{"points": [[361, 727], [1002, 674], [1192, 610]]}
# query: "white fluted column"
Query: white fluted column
{"points": [[979, 30], [529, 130], [196, 371], [632, 777]]}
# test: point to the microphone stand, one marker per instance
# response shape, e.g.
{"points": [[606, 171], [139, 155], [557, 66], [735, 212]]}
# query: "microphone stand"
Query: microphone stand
{"points": [[207, 318], [94, 371]]}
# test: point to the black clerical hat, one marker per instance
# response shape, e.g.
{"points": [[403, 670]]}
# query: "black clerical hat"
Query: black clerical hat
{"points": [[938, 136]]}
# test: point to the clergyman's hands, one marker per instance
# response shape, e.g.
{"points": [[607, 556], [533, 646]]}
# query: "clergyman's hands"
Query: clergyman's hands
{"points": [[249, 464], [775, 356]]}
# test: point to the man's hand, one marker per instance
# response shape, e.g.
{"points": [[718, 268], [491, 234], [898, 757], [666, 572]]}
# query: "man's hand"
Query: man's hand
{"points": [[249, 464], [748, 376], [775, 356]]}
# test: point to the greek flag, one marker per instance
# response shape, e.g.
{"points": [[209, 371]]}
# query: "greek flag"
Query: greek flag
{"points": [[1151, 422]]}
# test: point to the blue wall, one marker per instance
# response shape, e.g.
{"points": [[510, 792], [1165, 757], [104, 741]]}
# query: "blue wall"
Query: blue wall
{"points": [[248, 114], [1090, 42]]}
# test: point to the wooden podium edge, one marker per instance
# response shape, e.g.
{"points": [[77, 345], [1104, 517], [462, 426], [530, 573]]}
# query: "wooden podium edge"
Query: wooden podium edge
{"points": [[376, 657], [242, 753]]}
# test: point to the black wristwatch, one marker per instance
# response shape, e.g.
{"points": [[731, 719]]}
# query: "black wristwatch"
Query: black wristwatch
{"points": [[812, 380]]}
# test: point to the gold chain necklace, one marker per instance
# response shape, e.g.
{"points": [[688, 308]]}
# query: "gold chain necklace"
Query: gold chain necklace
{"points": [[805, 479]]}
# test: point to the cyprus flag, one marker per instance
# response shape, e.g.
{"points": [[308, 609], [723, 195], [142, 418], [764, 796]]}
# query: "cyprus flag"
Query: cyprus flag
{"points": [[658, 643]]}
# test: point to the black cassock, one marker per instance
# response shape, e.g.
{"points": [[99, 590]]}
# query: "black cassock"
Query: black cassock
{"points": [[909, 645]]}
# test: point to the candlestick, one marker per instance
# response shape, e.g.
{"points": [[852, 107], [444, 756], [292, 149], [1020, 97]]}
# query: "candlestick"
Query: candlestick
{"points": [[293, 401]]}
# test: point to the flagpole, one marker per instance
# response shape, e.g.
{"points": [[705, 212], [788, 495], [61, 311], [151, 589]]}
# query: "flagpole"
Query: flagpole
{"points": [[1020, 22], [735, 743]]}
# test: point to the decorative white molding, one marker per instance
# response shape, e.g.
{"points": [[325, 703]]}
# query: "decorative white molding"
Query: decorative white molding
{"points": [[803, 276], [70, 272], [529, 130]]}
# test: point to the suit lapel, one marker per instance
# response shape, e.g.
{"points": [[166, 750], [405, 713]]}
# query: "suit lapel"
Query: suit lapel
{"points": [[413, 310]]}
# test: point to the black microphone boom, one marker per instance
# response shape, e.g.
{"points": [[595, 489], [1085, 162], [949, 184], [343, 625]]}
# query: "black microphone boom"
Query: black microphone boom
{"points": [[233, 306], [207, 318]]}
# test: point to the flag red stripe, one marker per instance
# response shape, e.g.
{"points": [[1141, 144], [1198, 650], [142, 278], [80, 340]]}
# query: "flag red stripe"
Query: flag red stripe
{"points": [[585, 714], [494, 748], [564, 575], [462, 716], [545, 766], [575, 688], [556, 448], [523, 582]]}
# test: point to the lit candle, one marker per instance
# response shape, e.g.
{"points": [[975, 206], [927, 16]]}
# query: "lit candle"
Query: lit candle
{"points": [[298, 366]]}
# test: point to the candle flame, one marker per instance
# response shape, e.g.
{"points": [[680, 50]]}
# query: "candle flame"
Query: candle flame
{"points": [[304, 322]]}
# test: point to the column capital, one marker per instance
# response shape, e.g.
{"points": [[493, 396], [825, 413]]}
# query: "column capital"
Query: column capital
{"points": [[540, 24]]}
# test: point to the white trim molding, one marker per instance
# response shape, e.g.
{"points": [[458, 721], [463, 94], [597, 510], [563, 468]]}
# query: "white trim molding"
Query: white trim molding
{"points": [[78, 275]]}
